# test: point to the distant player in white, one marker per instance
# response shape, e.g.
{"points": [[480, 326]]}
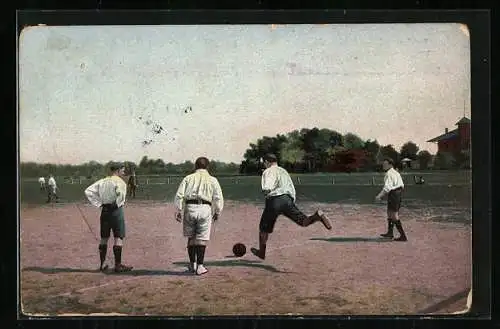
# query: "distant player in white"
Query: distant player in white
{"points": [[393, 189], [41, 181], [52, 190]]}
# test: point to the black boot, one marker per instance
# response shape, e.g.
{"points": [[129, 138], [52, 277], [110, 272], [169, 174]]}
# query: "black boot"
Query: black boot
{"points": [[402, 235], [390, 229]]}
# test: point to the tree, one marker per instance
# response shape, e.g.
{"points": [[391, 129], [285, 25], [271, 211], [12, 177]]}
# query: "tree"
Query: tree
{"points": [[144, 162], [409, 150], [372, 150], [424, 159], [257, 150], [292, 153], [388, 151], [317, 144], [349, 160], [443, 160], [462, 160], [353, 142]]}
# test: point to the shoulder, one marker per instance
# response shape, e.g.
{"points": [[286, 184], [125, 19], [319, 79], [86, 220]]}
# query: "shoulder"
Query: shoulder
{"points": [[118, 180], [214, 179], [282, 170], [186, 179]]}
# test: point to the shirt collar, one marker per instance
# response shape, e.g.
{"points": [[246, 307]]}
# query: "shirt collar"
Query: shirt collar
{"points": [[201, 170]]}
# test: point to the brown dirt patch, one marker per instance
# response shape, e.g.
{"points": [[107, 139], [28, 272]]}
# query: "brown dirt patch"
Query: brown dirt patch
{"points": [[307, 271]]}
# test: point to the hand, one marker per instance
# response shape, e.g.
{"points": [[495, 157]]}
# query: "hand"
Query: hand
{"points": [[215, 217], [178, 216], [378, 198]]}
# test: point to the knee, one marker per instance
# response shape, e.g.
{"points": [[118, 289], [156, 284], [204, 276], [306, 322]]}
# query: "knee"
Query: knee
{"points": [[199, 242], [191, 242], [118, 242]]}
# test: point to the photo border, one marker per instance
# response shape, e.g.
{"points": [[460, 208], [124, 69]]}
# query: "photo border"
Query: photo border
{"points": [[478, 22]]}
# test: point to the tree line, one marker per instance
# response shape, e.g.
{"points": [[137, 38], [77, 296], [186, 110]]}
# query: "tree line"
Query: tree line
{"points": [[325, 150], [146, 166], [299, 151]]}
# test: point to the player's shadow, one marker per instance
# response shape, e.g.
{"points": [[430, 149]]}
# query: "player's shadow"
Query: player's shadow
{"points": [[134, 272], [240, 263], [352, 239]]}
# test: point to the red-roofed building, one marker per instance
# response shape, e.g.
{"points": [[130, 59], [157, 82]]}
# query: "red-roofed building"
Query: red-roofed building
{"points": [[455, 141]]}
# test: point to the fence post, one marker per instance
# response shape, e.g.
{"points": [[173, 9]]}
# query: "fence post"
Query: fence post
{"points": [[333, 180], [168, 180], [298, 180], [373, 181], [147, 181]]}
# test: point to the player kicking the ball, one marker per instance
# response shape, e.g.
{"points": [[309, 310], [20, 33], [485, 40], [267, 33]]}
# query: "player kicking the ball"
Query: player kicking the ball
{"points": [[279, 192]]}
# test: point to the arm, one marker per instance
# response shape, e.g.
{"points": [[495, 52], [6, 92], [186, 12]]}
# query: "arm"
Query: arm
{"points": [[217, 198], [121, 193], [269, 179], [92, 194], [386, 188], [179, 196]]}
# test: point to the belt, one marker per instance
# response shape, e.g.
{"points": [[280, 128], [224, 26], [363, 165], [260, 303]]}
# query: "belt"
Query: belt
{"points": [[111, 206], [198, 202]]}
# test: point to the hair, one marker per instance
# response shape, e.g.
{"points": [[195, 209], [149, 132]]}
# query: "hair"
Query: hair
{"points": [[390, 161], [269, 157], [201, 163], [116, 166]]}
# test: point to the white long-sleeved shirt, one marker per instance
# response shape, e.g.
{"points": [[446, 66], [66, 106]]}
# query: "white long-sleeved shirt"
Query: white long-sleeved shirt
{"points": [[392, 180], [107, 190], [276, 181], [41, 180], [52, 183], [200, 186]]}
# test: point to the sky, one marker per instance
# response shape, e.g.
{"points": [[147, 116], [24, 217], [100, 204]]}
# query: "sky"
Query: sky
{"points": [[95, 92]]}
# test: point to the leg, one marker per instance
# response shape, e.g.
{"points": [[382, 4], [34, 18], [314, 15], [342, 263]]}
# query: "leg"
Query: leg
{"points": [[261, 252], [203, 227], [191, 248], [399, 227], [291, 211], [118, 229], [266, 227], [390, 225], [189, 231], [103, 245], [393, 205], [200, 249]]}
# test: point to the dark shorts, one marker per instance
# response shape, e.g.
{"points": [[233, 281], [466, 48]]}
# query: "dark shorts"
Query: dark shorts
{"points": [[112, 220], [394, 200], [276, 206]]}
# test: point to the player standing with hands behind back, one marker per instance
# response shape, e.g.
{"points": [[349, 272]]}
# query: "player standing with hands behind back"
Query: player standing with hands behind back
{"points": [[393, 188], [109, 194]]}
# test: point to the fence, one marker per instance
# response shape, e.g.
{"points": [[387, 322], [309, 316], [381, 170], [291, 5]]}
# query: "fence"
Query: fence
{"points": [[433, 178], [430, 177]]}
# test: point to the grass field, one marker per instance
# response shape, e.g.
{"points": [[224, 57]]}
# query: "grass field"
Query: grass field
{"points": [[348, 270]]}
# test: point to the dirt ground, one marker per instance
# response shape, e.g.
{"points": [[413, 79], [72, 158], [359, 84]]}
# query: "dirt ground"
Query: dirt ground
{"points": [[308, 271]]}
